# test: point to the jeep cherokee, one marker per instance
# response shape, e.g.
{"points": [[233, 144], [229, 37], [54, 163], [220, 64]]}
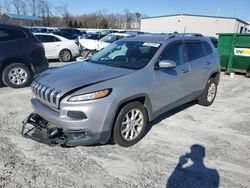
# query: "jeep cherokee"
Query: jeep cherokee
{"points": [[116, 93]]}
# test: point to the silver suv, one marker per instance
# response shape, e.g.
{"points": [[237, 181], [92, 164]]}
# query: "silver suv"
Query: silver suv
{"points": [[116, 93]]}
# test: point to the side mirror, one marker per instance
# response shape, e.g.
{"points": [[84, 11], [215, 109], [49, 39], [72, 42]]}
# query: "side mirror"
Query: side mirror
{"points": [[166, 64]]}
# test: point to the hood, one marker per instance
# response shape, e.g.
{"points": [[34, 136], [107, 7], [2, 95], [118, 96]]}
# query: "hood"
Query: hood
{"points": [[100, 45], [88, 43], [79, 75]]}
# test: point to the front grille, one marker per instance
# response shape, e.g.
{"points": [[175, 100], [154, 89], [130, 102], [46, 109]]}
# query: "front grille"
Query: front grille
{"points": [[47, 95]]}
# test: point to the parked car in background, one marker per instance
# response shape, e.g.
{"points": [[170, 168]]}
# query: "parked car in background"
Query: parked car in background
{"points": [[92, 46], [115, 94], [21, 56], [39, 30], [92, 36], [75, 33], [107, 40], [57, 47], [65, 35]]}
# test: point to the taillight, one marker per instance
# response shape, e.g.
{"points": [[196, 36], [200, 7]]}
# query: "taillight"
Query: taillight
{"points": [[77, 42]]}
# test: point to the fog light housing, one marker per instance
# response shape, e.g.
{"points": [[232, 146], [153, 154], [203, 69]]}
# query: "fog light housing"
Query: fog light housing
{"points": [[76, 115]]}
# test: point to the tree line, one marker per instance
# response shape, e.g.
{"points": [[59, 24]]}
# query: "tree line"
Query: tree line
{"points": [[59, 16]]}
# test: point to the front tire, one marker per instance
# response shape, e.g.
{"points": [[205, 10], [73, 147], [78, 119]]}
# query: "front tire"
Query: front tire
{"points": [[209, 93], [130, 124], [17, 75], [65, 55]]}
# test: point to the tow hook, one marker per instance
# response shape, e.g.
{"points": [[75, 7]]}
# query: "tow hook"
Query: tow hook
{"points": [[39, 129]]}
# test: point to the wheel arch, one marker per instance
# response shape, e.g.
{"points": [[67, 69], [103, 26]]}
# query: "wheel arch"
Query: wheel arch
{"points": [[24, 61], [64, 49], [142, 98], [216, 76]]}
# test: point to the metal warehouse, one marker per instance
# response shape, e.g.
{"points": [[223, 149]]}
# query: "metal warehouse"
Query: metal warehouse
{"points": [[206, 25]]}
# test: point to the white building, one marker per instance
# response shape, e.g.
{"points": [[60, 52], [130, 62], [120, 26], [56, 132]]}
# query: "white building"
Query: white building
{"points": [[187, 23]]}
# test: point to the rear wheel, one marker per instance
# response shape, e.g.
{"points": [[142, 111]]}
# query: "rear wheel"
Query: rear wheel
{"points": [[209, 93], [130, 124], [17, 75], [65, 55]]}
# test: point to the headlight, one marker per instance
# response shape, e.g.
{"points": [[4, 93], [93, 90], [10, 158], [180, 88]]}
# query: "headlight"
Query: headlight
{"points": [[90, 96]]}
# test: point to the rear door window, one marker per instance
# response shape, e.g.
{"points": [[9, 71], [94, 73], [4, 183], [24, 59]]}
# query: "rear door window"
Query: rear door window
{"points": [[48, 39], [174, 52], [11, 34], [194, 50]]}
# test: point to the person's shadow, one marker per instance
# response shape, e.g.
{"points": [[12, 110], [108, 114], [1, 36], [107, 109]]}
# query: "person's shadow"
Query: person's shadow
{"points": [[195, 176]]}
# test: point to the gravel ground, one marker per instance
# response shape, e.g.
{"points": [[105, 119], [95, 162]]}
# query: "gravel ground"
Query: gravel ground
{"points": [[215, 141]]}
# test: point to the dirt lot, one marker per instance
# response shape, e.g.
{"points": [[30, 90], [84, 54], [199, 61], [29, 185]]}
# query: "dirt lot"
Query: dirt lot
{"points": [[222, 131]]}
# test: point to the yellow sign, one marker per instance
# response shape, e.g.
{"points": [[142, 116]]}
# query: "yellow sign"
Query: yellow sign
{"points": [[242, 52]]}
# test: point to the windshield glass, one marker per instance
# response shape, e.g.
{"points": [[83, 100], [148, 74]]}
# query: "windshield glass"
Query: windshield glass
{"points": [[111, 38], [127, 54]]}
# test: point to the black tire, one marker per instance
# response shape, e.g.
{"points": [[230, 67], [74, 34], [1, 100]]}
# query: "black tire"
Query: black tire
{"points": [[118, 138], [20, 82], [204, 99], [1, 82], [65, 55]]}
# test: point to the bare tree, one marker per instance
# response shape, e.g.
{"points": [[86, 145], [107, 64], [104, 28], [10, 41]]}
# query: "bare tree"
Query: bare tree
{"points": [[17, 5], [7, 5], [23, 8], [138, 17], [44, 11], [33, 4]]}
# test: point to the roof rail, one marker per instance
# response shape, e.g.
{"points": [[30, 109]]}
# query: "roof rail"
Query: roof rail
{"points": [[187, 34]]}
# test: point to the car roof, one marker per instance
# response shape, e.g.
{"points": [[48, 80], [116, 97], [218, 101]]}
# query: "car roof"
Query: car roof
{"points": [[148, 38], [13, 27], [161, 38], [51, 34], [120, 34]]}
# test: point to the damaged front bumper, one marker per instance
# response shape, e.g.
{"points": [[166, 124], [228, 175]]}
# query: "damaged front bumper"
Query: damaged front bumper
{"points": [[37, 128]]}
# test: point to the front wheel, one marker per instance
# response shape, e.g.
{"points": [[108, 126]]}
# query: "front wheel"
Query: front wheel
{"points": [[209, 94], [130, 124]]}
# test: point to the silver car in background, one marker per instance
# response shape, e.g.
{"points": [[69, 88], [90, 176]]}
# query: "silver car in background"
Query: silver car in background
{"points": [[116, 93]]}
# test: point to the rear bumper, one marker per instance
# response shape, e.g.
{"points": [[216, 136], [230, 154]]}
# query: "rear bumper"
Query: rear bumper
{"points": [[39, 69], [76, 53]]}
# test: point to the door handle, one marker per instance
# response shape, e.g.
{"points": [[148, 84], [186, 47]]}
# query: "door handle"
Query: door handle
{"points": [[208, 62]]}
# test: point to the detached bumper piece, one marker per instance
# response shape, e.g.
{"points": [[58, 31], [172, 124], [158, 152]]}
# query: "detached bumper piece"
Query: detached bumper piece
{"points": [[38, 129]]}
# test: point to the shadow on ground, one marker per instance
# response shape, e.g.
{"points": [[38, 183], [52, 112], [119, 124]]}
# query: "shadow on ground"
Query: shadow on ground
{"points": [[196, 175]]}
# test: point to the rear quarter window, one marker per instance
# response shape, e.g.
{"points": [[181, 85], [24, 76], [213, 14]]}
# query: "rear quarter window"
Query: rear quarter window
{"points": [[194, 50], [48, 39], [207, 48], [11, 34]]}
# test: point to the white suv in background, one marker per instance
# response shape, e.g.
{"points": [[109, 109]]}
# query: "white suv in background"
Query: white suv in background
{"points": [[57, 47], [91, 44]]}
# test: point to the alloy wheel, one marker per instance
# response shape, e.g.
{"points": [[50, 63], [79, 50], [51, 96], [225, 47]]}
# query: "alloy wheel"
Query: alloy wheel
{"points": [[132, 124], [17, 76]]}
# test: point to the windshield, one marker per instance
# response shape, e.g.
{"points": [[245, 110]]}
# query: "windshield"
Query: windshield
{"points": [[89, 36], [127, 54], [111, 38]]}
